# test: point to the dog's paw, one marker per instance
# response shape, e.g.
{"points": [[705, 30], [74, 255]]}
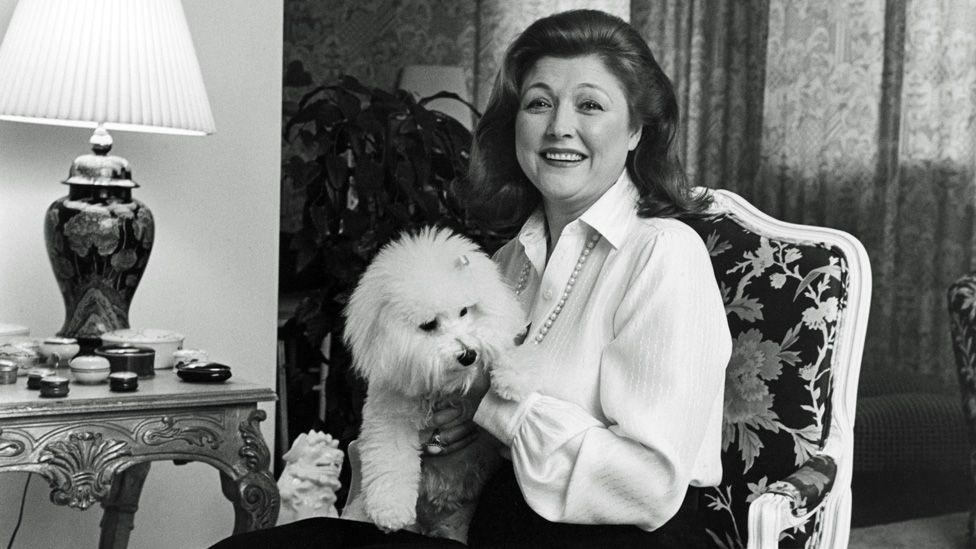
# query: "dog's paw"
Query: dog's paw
{"points": [[510, 383], [390, 517]]}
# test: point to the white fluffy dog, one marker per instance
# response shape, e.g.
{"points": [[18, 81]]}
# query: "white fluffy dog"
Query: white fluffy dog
{"points": [[429, 317]]}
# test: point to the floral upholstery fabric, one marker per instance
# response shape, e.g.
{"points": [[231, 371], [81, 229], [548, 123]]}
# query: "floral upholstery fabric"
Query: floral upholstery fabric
{"points": [[784, 301], [808, 485], [962, 323]]}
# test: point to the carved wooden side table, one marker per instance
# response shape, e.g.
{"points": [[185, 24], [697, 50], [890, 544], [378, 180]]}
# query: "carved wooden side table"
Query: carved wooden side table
{"points": [[95, 445]]}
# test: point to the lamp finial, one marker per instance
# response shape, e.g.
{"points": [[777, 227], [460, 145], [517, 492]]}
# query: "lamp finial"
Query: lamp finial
{"points": [[101, 141]]}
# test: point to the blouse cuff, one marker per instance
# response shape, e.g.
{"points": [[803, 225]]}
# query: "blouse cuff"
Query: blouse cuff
{"points": [[502, 418]]}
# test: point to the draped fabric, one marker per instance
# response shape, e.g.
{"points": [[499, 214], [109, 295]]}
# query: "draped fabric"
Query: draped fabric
{"points": [[714, 51], [853, 114], [869, 126]]}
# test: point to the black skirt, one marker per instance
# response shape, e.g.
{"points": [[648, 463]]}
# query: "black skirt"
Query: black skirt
{"points": [[503, 520]]}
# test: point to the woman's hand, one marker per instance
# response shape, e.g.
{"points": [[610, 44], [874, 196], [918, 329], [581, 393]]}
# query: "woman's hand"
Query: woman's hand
{"points": [[451, 430]]}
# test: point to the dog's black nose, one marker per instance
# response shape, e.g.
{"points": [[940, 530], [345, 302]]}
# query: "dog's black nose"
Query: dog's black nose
{"points": [[468, 357]]}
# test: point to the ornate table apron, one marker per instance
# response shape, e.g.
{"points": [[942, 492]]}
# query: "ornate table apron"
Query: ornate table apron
{"points": [[90, 452]]}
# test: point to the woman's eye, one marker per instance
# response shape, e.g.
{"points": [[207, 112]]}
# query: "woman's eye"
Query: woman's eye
{"points": [[463, 311], [429, 326], [537, 104], [589, 105]]}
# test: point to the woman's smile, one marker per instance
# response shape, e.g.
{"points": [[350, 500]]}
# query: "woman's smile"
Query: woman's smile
{"points": [[562, 158]]}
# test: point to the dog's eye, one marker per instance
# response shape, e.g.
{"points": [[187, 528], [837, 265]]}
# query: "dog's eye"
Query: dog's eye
{"points": [[463, 311], [429, 326]]}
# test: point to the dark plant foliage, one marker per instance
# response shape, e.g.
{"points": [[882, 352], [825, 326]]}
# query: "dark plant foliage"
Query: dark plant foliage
{"points": [[375, 163]]}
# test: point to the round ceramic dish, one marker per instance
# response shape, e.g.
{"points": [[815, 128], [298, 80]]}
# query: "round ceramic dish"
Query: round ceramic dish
{"points": [[125, 358], [90, 370], [22, 350], [163, 342], [203, 372], [64, 347], [186, 356]]}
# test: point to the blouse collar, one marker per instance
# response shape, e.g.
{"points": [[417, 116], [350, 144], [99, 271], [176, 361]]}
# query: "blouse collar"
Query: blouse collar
{"points": [[610, 216], [613, 212]]}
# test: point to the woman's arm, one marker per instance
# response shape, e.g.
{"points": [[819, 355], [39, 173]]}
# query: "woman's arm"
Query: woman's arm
{"points": [[661, 386]]}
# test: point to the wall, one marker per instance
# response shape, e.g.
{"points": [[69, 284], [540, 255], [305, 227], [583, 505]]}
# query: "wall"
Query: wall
{"points": [[213, 270]]}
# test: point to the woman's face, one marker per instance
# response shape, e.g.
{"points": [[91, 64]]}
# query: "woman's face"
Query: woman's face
{"points": [[572, 132]]}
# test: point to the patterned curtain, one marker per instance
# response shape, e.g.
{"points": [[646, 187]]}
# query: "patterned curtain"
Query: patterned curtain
{"points": [[853, 114], [714, 51], [869, 126]]}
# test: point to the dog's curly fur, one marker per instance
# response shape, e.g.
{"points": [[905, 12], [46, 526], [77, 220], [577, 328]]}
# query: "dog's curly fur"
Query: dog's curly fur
{"points": [[429, 317]]}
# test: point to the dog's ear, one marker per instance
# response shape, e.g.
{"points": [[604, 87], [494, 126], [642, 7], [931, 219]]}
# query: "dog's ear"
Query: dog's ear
{"points": [[379, 348], [363, 320]]}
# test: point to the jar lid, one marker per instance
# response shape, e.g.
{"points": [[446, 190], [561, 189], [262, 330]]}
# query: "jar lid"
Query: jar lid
{"points": [[123, 375], [124, 350], [88, 362], [8, 366], [54, 380], [40, 372], [61, 340], [101, 169]]}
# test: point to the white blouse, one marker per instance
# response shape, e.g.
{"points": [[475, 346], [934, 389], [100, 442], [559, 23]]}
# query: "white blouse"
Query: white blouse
{"points": [[633, 368]]}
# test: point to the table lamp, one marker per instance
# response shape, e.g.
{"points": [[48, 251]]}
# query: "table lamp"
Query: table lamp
{"points": [[108, 65]]}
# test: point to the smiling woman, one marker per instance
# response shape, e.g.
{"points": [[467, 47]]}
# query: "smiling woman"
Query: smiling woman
{"points": [[610, 406]]}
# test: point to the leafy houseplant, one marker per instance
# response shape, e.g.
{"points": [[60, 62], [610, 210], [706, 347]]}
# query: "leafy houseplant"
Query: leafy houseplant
{"points": [[371, 164]]}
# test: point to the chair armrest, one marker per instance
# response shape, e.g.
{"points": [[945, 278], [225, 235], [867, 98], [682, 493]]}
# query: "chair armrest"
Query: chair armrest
{"points": [[806, 488], [790, 502]]}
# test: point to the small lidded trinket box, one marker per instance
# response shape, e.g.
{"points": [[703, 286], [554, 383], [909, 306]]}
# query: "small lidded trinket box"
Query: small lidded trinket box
{"points": [[54, 387], [8, 372], [89, 370], [35, 375], [123, 382]]}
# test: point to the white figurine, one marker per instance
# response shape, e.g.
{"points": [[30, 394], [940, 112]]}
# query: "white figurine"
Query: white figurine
{"points": [[311, 477]]}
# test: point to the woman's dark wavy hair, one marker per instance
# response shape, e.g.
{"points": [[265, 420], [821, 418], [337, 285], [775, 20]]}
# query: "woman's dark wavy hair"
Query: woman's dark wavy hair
{"points": [[497, 190]]}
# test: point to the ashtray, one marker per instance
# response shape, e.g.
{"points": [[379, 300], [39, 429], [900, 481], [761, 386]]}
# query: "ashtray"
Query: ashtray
{"points": [[203, 372]]}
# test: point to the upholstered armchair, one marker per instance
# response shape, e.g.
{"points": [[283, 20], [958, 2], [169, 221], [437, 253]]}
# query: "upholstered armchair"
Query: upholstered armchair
{"points": [[797, 303], [962, 323]]}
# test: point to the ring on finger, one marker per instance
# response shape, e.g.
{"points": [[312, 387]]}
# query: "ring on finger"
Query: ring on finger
{"points": [[437, 440], [435, 444]]}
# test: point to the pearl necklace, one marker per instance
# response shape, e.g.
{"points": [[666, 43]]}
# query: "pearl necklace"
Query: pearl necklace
{"points": [[551, 319]]}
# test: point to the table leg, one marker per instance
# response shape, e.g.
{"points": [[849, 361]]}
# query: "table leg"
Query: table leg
{"points": [[255, 499], [121, 505], [251, 488]]}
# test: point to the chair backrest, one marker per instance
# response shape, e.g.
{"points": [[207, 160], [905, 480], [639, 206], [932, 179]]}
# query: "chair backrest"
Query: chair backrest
{"points": [[797, 300], [961, 298]]}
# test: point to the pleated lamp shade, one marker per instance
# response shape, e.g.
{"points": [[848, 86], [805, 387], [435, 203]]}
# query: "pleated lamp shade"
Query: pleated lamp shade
{"points": [[125, 64]]}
